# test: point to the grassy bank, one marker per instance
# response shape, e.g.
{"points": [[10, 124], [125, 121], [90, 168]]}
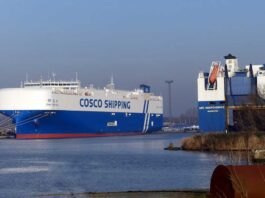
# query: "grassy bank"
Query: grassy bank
{"points": [[225, 142]]}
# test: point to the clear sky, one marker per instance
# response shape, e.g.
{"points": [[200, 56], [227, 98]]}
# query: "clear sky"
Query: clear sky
{"points": [[138, 41]]}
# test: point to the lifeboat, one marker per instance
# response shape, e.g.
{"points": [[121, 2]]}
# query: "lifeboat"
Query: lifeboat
{"points": [[214, 73]]}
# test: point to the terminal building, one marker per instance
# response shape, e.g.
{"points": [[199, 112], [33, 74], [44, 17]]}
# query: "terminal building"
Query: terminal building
{"points": [[231, 97]]}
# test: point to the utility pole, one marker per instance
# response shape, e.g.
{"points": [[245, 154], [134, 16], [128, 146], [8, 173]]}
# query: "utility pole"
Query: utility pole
{"points": [[169, 82]]}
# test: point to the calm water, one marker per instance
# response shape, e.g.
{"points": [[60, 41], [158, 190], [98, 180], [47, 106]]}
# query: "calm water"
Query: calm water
{"points": [[41, 167]]}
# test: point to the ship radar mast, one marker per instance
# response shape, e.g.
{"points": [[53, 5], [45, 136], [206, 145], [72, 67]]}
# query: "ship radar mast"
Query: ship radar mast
{"points": [[111, 85], [53, 75], [27, 77], [76, 76]]}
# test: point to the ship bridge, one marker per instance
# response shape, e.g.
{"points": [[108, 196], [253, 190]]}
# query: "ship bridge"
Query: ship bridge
{"points": [[71, 85]]}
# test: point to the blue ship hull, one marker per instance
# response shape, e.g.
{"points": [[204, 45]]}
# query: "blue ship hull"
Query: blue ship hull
{"points": [[64, 124], [212, 116]]}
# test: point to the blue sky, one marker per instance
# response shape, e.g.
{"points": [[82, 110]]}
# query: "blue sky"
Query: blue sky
{"points": [[138, 41]]}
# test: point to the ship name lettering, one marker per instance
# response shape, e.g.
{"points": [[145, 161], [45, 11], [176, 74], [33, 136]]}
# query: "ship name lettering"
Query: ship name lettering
{"points": [[98, 103], [117, 104], [85, 102]]}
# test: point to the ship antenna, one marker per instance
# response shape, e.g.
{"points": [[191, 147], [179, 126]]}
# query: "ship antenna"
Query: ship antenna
{"points": [[27, 77], [111, 80], [111, 85], [49, 79], [41, 80], [76, 76], [53, 75]]}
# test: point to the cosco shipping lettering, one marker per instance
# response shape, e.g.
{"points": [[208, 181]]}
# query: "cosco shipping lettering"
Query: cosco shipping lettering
{"points": [[98, 103], [63, 109]]}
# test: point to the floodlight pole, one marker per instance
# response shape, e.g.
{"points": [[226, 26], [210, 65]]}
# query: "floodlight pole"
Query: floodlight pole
{"points": [[169, 82]]}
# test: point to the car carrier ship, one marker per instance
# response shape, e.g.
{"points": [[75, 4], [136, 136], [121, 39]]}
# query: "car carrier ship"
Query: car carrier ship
{"points": [[227, 91], [63, 109]]}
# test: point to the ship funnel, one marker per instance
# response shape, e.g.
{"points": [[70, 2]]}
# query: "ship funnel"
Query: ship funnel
{"points": [[145, 88]]}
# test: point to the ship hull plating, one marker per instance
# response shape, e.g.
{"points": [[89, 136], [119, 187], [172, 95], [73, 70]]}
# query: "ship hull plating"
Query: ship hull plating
{"points": [[70, 124], [212, 116]]}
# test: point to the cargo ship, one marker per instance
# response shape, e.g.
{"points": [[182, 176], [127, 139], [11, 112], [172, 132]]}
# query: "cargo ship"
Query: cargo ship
{"points": [[227, 91], [64, 109]]}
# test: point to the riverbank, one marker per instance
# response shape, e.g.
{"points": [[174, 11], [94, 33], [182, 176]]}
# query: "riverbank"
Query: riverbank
{"points": [[140, 194], [225, 142], [7, 136]]}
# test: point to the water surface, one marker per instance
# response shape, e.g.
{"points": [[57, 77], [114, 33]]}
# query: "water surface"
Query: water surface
{"points": [[105, 164]]}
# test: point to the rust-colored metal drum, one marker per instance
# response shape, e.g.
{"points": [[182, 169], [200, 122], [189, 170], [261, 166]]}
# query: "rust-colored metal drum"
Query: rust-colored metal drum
{"points": [[238, 182]]}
